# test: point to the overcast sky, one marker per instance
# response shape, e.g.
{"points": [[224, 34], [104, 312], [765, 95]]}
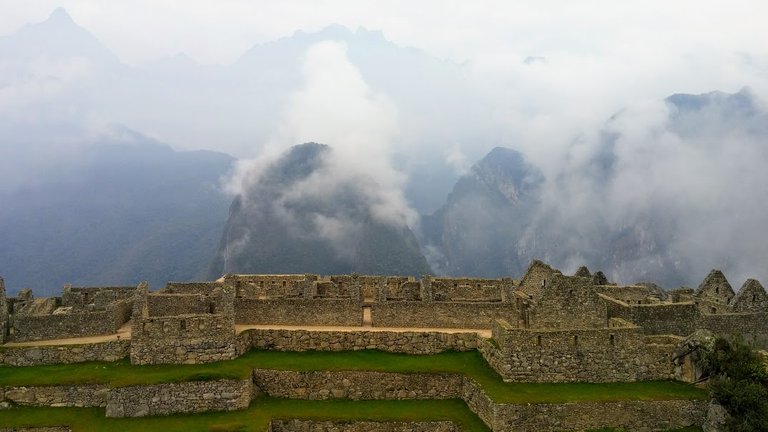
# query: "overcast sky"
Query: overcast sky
{"points": [[484, 32], [542, 77]]}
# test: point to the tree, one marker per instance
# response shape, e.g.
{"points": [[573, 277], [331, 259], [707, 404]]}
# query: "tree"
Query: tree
{"points": [[738, 381]]}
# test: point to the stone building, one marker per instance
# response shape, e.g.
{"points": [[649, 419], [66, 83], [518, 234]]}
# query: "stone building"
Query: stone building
{"points": [[79, 312], [546, 326]]}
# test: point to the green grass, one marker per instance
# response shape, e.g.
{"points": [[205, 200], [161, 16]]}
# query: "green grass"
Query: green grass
{"points": [[255, 418], [471, 364]]}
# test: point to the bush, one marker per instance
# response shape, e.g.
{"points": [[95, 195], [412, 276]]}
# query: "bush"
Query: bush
{"points": [[738, 382]]}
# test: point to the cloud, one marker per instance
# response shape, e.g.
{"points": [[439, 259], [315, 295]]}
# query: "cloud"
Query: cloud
{"points": [[334, 106]]}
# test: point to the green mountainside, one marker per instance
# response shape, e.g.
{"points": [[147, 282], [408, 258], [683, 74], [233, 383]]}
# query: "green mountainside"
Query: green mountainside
{"points": [[270, 231], [127, 212]]}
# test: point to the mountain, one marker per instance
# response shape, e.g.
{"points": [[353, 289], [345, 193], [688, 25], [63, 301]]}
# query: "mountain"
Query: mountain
{"points": [[58, 37], [123, 210], [661, 198], [295, 219], [56, 73], [476, 231]]}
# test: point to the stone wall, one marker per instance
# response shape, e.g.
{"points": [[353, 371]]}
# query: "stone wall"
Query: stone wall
{"points": [[402, 342], [79, 323], [271, 286], [591, 355], [329, 312], [357, 385], [666, 318], [42, 355], [97, 296], [185, 339], [568, 302], [57, 396], [436, 314], [190, 287], [360, 426], [634, 294], [139, 401], [753, 327], [173, 398], [462, 289], [560, 417], [161, 305]]}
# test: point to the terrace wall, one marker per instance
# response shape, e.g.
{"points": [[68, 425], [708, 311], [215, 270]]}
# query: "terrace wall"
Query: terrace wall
{"points": [[561, 417], [174, 398], [357, 385], [402, 342], [42, 355]]}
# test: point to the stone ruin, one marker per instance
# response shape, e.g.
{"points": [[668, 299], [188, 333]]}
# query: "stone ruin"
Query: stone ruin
{"points": [[546, 326]]}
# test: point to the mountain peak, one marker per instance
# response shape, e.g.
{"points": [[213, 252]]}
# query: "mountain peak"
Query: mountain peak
{"points": [[60, 16], [59, 37]]}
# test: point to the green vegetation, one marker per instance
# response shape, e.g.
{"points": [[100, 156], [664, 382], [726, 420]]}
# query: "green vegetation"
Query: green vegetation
{"points": [[739, 382], [471, 364], [255, 418]]}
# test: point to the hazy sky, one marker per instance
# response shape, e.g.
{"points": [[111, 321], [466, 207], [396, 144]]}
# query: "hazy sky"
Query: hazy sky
{"points": [[485, 32], [542, 77], [543, 61]]}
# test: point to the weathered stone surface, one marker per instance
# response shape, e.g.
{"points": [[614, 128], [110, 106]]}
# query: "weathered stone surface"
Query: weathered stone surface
{"points": [[361, 426], [70, 396], [173, 398], [30, 356], [625, 415], [403, 342], [716, 418], [357, 385]]}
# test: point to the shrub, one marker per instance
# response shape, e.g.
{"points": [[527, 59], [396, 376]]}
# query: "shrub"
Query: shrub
{"points": [[738, 382]]}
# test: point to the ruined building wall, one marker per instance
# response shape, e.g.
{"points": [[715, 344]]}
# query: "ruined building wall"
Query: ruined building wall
{"points": [[271, 286], [440, 314], [633, 295], [179, 304], [594, 355], [753, 327], [469, 289], [99, 297], [71, 324], [568, 302], [185, 338], [190, 287], [336, 312], [750, 298], [679, 319]]}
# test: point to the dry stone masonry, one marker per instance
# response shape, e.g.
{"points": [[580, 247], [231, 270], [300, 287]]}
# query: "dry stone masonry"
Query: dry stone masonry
{"points": [[544, 327]]}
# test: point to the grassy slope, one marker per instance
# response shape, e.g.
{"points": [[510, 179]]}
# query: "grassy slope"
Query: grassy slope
{"points": [[254, 418], [471, 364]]}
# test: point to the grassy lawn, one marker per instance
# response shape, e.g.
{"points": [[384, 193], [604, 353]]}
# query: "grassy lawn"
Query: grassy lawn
{"points": [[471, 364], [254, 418]]}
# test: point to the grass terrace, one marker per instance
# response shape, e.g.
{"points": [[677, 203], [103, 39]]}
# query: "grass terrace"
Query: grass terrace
{"points": [[255, 418], [471, 364]]}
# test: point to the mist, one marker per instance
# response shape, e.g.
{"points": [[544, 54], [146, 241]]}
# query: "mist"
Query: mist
{"points": [[407, 109]]}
